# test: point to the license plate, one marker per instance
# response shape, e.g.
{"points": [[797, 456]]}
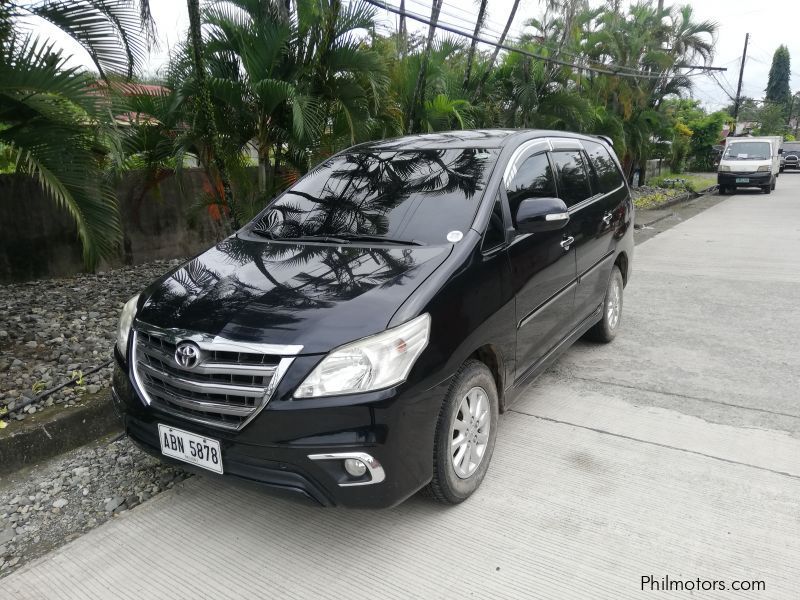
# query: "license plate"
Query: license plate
{"points": [[742, 180], [190, 447]]}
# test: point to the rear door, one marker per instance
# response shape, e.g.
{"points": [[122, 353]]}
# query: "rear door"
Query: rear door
{"points": [[585, 228], [543, 268], [593, 221]]}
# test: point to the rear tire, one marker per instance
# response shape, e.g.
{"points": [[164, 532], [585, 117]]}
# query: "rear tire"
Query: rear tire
{"points": [[469, 413], [606, 329]]}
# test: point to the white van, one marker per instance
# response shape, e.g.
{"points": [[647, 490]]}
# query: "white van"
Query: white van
{"points": [[750, 162]]}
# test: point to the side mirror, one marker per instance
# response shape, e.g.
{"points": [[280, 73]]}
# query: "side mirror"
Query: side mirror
{"points": [[536, 215], [780, 150]]}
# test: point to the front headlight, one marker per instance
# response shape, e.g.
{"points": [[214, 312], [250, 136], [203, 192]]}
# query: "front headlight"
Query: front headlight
{"points": [[374, 363], [724, 169], [124, 327], [764, 168]]}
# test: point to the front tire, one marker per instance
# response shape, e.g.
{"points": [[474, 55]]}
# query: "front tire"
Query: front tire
{"points": [[465, 434], [767, 189], [606, 329], [723, 190]]}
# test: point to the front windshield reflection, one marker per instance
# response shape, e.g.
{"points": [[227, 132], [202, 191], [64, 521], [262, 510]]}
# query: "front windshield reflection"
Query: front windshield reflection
{"points": [[418, 196]]}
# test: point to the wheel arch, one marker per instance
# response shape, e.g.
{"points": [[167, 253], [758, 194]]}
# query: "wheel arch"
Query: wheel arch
{"points": [[622, 263], [492, 357]]}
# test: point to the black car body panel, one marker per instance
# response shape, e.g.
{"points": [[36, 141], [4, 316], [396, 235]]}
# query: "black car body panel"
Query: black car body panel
{"points": [[244, 287], [510, 299]]}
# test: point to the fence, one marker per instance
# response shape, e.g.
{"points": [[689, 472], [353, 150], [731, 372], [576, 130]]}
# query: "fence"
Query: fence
{"points": [[39, 240]]}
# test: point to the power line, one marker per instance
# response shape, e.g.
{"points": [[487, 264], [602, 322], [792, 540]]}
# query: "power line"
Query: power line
{"points": [[607, 70], [488, 26]]}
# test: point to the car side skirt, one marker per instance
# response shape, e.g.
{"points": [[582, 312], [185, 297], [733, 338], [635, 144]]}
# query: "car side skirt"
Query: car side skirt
{"points": [[548, 359]]}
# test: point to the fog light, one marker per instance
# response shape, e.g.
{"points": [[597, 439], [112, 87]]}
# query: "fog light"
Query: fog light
{"points": [[355, 467]]}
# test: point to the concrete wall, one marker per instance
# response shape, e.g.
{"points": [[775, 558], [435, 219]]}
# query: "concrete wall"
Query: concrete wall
{"points": [[656, 167], [39, 240]]}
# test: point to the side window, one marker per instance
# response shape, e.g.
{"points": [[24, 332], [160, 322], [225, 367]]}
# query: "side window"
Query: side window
{"points": [[573, 181], [534, 179], [496, 229], [608, 175]]}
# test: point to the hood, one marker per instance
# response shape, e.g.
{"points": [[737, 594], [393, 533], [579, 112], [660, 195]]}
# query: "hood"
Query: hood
{"points": [[319, 296]]}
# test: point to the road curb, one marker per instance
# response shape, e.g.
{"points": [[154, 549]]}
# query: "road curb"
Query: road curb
{"points": [[56, 430], [678, 200]]}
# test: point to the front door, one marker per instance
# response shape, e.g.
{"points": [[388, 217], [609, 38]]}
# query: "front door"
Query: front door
{"points": [[543, 269]]}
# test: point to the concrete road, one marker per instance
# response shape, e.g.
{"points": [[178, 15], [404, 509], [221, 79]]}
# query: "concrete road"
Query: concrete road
{"points": [[674, 452]]}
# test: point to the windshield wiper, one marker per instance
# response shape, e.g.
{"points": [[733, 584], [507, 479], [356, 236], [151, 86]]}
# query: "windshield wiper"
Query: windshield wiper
{"points": [[366, 237], [300, 238]]}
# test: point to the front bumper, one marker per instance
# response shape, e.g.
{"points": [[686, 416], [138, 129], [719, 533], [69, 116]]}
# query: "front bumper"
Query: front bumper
{"points": [[759, 179], [395, 427]]}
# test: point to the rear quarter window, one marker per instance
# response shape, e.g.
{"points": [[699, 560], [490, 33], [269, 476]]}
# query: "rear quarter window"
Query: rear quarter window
{"points": [[605, 167]]}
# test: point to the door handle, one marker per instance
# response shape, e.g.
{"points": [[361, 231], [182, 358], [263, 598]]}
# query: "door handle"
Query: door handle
{"points": [[567, 242], [607, 218]]}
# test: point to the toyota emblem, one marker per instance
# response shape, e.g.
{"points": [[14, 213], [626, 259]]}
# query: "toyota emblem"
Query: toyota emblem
{"points": [[187, 355]]}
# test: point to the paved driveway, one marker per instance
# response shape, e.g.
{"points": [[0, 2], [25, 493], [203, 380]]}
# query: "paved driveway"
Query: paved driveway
{"points": [[674, 452]]}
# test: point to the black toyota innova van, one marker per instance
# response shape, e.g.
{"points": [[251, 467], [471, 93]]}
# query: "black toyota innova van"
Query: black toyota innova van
{"points": [[356, 341]]}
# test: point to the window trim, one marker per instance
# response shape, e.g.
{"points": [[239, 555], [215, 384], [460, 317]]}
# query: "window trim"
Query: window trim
{"points": [[549, 145], [521, 162], [523, 153]]}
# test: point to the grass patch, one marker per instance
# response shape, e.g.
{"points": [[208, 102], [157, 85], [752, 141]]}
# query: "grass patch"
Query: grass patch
{"points": [[692, 182], [648, 198]]}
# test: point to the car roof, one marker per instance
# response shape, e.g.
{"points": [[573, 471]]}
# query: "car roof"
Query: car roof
{"points": [[474, 138]]}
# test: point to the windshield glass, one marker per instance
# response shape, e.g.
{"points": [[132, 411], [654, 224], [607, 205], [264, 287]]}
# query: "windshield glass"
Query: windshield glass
{"points": [[747, 151], [791, 147], [419, 196]]}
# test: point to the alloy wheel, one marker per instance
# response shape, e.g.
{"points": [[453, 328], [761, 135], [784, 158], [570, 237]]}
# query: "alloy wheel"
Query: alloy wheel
{"points": [[470, 432], [614, 304]]}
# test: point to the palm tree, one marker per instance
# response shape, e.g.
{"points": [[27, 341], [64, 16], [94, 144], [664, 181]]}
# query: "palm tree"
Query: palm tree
{"points": [[419, 88], [299, 86], [478, 26], [205, 108], [496, 51], [53, 117]]}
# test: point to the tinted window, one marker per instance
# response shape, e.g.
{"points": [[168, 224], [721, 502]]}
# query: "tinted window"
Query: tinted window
{"points": [[496, 229], [415, 195], [608, 175], [573, 182], [533, 179]]}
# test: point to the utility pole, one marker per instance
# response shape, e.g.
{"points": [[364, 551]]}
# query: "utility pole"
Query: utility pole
{"points": [[741, 74]]}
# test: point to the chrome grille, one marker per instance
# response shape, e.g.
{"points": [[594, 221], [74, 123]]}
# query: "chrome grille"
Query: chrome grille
{"points": [[226, 388]]}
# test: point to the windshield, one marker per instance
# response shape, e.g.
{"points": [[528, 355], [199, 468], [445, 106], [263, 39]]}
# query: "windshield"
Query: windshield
{"points": [[791, 147], [420, 196], [747, 151]]}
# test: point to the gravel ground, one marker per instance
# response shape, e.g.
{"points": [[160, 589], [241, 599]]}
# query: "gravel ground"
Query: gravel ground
{"points": [[53, 330], [49, 505]]}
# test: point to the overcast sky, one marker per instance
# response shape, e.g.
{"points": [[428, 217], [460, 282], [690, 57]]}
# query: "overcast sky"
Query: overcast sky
{"points": [[769, 22]]}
